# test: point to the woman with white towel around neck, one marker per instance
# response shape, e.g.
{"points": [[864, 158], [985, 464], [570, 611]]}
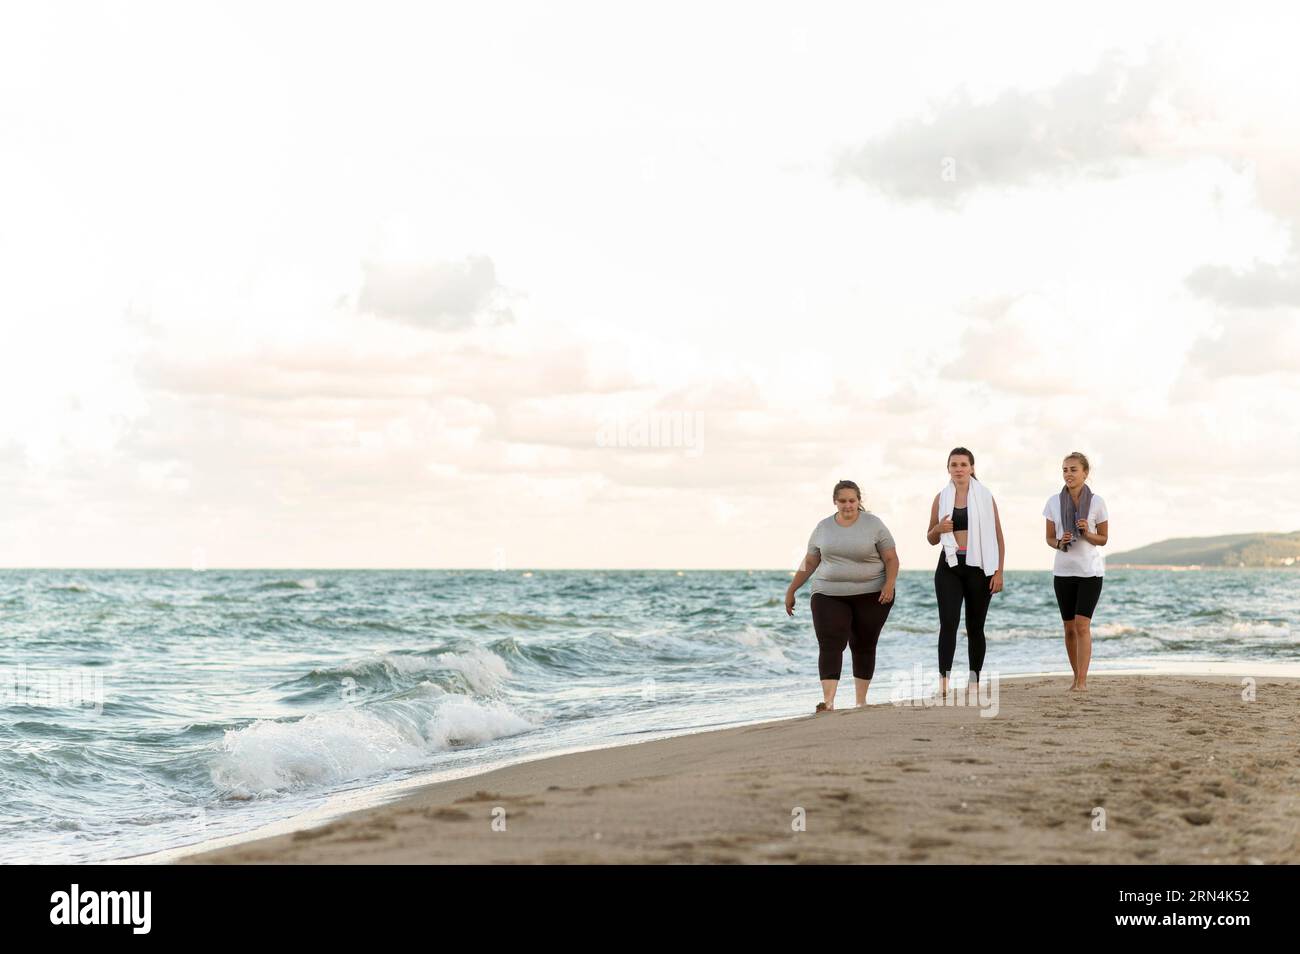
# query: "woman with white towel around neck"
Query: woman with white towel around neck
{"points": [[1078, 525], [964, 518]]}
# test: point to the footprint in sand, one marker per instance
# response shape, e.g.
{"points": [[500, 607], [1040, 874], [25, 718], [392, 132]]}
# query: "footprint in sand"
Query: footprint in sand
{"points": [[310, 834], [481, 796], [925, 842], [447, 813]]}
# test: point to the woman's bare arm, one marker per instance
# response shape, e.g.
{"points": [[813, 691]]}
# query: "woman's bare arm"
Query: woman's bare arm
{"points": [[807, 567], [1002, 544], [890, 559], [936, 527]]}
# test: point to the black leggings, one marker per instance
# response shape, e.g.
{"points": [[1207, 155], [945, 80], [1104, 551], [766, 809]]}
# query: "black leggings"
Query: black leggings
{"points": [[1077, 595], [952, 584], [853, 621]]}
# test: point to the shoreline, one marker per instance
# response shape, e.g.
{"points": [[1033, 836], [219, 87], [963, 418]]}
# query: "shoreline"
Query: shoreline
{"points": [[367, 797], [432, 820]]}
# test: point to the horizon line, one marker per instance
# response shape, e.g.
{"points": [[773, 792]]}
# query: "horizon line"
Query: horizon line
{"points": [[556, 569]]}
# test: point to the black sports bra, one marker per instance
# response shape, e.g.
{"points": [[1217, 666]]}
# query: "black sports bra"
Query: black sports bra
{"points": [[959, 521]]}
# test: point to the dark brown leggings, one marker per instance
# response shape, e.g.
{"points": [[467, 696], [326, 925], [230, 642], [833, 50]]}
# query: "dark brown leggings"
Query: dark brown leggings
{"points": [[853, 621]]}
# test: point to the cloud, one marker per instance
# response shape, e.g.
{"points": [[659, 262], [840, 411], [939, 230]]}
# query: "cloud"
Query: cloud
{"points": [[1102, 124], [1246, 344], [264, 377], [1088, 124], [13, 462], [439, 295], [1263, 286], [905, 399], [1018, 344], [475, 365]]}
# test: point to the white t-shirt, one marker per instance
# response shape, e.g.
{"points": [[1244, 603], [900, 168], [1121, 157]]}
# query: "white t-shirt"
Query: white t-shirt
{"points": [[1082, 559]]}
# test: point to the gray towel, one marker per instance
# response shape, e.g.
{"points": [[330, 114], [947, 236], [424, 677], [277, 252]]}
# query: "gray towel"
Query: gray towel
{"points": [[1069, 516]]}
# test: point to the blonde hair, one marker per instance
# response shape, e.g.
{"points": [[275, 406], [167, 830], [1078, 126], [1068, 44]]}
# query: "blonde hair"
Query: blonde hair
{"points": [[1081, 458]]}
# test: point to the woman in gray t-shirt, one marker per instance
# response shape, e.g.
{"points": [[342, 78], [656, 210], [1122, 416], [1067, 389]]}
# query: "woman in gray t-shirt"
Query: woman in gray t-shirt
{"points": [[853, 592]]}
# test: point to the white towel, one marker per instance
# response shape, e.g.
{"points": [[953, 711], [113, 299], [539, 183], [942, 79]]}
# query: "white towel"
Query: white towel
{"points": [[981, 527]]}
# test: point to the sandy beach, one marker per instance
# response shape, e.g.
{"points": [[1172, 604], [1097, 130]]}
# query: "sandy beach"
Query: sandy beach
{"points": [[1184, 769]]}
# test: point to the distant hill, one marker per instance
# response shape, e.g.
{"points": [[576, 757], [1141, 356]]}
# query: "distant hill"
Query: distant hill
{"points": [[1237, 549]]}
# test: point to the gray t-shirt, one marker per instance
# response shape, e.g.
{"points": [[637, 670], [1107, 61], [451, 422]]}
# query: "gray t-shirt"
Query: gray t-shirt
{"points": [[851, 556]]}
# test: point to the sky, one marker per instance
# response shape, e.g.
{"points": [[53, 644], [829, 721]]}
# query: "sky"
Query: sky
{"points": [[633, 285]]}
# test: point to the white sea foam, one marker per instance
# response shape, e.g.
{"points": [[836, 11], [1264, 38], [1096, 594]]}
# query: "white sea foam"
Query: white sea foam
{"points": [[463, 721], [482, 669], [762, 645], [326, 748], [1113, 629], [1268, 630], [402, 665]]}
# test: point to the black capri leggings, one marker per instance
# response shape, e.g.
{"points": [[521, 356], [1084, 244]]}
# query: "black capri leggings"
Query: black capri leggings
{"points": [[853, 621], [952, 584], [1077, 595]]}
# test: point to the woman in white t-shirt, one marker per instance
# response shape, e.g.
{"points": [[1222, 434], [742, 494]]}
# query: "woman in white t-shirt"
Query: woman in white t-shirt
{"points": [[1077, 527]]}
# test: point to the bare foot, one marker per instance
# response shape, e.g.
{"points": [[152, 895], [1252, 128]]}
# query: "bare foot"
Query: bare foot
{"points": [[1082, 688], [823, 707]]}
